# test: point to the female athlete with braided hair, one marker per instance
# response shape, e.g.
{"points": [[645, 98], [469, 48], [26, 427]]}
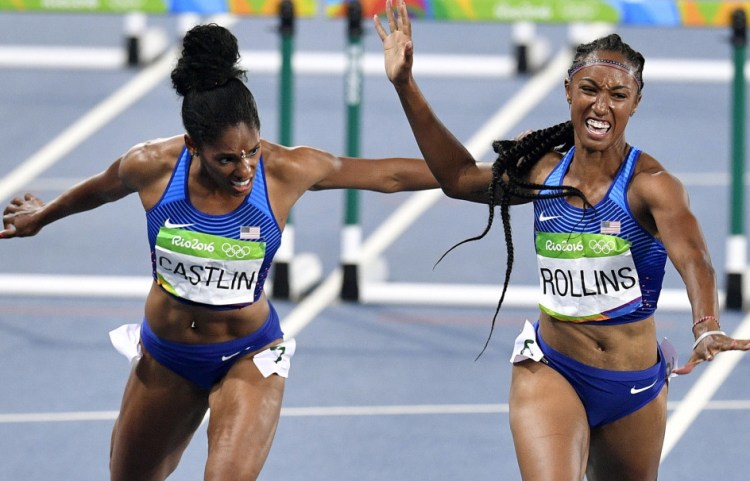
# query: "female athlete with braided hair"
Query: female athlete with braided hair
{"points": [[216, 201], [588, 395]]}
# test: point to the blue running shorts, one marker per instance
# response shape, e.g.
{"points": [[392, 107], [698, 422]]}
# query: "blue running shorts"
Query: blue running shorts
{"points": [[207, 364], [607, 395]]}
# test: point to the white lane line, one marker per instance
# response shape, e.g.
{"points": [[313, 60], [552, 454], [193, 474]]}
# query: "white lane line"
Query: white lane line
{"points": [[309, 307], [339, 411], [72, 416], [87, 125], [699, 396]]}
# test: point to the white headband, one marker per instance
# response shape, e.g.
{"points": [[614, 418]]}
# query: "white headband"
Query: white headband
{"points": [[609, 63]]}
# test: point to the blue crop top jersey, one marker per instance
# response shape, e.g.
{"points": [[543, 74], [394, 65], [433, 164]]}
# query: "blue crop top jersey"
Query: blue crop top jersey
{"points": [[218, 261], [596, 265]]}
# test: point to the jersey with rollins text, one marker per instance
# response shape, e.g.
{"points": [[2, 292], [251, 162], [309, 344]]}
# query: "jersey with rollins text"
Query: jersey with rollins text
{"points": [[596, 264], [214, 260]]}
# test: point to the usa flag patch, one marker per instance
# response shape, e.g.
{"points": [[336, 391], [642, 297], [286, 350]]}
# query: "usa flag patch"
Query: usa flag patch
{"points": [[249, 232], [610, 227]]}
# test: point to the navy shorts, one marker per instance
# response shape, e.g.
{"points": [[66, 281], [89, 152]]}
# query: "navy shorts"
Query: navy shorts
{"points": [[207, 364], [607, 395]]}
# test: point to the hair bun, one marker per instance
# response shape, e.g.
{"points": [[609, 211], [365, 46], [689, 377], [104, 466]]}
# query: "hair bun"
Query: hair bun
{"points": [[210, 58]]}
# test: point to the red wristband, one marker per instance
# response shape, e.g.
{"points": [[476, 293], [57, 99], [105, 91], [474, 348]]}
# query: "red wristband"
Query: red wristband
{"points": [[704, 319]]}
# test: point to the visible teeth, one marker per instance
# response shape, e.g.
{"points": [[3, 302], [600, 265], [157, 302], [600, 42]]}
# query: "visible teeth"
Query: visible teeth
{"points": [[241, 184], [598, 124]]}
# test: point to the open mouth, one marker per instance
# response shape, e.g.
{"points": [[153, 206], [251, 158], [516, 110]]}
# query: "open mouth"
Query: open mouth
{"points": [[241, 187], [598, 127], [242, 183]]}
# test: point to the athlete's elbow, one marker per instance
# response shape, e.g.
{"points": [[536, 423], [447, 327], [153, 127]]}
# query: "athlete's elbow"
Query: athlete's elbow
{"points": [[452, 192], [455, 190]]}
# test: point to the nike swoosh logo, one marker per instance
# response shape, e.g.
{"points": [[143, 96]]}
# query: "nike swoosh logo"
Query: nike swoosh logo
{"points": [[169, 225], [543, 217], [635, 390], [226, 358]]}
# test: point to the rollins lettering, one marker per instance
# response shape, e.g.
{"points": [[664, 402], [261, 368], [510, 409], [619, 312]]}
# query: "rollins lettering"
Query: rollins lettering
{"points": [[579, 283]]}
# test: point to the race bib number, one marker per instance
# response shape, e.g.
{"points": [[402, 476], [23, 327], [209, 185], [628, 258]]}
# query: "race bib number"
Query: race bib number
{"points": [[586, 277], [276, 359], [526, 346], [206, 268]]}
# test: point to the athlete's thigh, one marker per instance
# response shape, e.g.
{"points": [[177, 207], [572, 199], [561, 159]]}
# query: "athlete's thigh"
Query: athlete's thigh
{"points": [[160, 412], [245, 409], [629, 449], [549, 425]]}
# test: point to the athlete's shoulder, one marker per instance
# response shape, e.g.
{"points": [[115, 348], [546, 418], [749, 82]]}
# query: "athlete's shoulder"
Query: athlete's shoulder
{"points": [[545, 166], [653, 183], [276, 158], [647, 164], [158, 150], [148, 162], [279, 154], [299, 164], [650, 172]]}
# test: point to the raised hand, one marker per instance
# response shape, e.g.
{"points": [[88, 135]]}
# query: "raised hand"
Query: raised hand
{"points": [[398, 48], [18, 218]]}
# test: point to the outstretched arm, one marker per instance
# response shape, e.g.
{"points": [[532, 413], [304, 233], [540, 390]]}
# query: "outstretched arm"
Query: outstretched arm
{"points": [[303, 168], [380, 175], [679, 231], [454, 167], [25, 216]]}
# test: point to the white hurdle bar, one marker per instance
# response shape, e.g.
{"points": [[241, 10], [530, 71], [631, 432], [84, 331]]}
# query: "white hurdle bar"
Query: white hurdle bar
{"points": [[268, 62], [372, 292], [481, 295]]}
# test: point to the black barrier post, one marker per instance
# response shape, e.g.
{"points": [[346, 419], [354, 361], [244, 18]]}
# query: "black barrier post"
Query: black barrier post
{"points": [[135, 26], [351, 236], [282, 264], [737, 243]]}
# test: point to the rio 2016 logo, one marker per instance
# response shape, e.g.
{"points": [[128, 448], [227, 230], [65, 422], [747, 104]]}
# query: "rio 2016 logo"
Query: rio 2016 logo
{"points": [[194, 244], [563, 246]]}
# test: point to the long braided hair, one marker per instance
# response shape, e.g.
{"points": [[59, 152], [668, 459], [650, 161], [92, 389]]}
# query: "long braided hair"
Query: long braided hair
{"points": [[516, 158]]}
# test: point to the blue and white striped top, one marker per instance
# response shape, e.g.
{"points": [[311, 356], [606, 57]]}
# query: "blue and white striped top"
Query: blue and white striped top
{"points": [[611, 216], [254, 214]]}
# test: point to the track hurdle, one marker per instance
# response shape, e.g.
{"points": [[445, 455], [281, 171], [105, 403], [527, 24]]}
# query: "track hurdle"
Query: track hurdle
{"points": [[292, 274], [351, 234], [736, 263]]}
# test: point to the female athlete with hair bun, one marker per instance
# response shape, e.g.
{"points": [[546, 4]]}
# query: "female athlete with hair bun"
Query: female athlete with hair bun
{"points": [[216, 201], [588, 395]]}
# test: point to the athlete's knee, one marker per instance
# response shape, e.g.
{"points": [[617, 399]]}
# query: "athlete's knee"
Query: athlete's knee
{"points": [[629, 473], [128, 462], [142, 468], [228, 468]]}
